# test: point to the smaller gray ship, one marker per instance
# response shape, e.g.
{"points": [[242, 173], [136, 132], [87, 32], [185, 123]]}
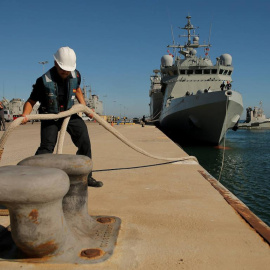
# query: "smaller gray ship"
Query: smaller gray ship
{"points": [[255, 119], [156, 96], [92, 102]]}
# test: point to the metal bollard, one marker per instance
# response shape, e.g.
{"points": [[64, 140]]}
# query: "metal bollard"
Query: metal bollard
{"points": [[34, 199], [97, 235], [75, 202]]}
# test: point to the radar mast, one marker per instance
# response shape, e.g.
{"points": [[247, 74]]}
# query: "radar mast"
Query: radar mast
{"points": [[188, 47]]}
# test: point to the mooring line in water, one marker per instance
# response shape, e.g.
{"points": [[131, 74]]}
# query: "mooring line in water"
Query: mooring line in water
{"points": [[224, 141]]}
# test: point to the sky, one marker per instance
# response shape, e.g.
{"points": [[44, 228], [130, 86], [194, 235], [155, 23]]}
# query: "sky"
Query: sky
{"points": [[119, 43]]}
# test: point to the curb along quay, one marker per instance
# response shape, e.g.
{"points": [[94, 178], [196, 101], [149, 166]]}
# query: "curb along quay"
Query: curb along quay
{"points": [[173, 214]]}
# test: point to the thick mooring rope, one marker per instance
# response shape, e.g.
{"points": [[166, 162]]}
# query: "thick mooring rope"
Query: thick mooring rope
{"points": [[62, 135], [224, 141], [76, 109]]}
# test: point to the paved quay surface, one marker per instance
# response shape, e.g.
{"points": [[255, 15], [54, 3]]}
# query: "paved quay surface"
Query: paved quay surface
{"points": [[172, 218]]}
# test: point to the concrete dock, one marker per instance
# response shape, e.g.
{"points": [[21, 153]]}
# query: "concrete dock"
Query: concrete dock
{"points": [[172, 217]]}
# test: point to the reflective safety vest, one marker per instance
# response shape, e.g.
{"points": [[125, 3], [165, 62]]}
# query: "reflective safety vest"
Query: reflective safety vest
{"points": [[51, 92]]}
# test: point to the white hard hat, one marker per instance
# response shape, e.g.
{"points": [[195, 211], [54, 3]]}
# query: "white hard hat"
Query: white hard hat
{"points": [[65, 58]]}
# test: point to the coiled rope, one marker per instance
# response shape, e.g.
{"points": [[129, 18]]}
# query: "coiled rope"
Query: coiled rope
{"points": [[76, 109]]}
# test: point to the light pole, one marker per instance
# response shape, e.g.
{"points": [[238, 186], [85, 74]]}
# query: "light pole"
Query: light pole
{"points": [[115, 105], [105, 96], [43, 63], [126, 111], [120, 110], [85, 92]]}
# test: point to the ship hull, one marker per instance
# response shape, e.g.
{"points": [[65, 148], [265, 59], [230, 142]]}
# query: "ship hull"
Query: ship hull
{"points": [[255, 125], [203, 118]]}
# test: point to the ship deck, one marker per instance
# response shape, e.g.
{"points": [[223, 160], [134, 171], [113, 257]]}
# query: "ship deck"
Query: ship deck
{"points": [[172, 217]]}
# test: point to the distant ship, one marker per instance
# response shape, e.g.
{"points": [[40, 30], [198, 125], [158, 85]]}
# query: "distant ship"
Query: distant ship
{"points": [[255, 119], [92, 102], [156, 96], [14, 107], [198, 103]]}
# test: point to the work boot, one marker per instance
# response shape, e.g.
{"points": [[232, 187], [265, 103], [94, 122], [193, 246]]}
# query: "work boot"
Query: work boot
{"points": [[93, 183]]}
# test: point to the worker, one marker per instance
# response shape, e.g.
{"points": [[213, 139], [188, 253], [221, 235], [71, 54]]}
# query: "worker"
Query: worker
{"points": [[143, 121], [228, 86], [222, 86], [2, 117], [56, 91]]}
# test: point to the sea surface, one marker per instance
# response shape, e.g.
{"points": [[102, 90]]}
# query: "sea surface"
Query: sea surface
{"points": [[246, 167]]}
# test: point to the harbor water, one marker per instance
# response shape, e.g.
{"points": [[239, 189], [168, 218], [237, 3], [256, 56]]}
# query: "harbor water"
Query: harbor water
{"points": [[245, 167]]}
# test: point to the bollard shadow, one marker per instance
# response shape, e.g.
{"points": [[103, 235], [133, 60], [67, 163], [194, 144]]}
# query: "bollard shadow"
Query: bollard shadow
{"points": [[8, 249], [137, 167]]}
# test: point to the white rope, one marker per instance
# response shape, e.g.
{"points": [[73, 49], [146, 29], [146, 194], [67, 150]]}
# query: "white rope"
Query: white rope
{"points": [[81, 108], [152, 121], [62, 135]]}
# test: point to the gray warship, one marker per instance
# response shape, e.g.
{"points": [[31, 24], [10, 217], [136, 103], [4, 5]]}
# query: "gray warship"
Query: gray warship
{"points": [[198, 102], [156, 96], [92, 101], [255, 119]]}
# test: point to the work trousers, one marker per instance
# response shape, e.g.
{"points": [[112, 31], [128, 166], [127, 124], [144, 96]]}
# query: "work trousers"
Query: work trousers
{"points": [[77, 130], [2, 123]]}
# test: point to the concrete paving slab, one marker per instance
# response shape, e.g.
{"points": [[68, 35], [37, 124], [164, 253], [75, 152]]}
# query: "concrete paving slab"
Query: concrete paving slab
{"points": [[172, 217]]}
